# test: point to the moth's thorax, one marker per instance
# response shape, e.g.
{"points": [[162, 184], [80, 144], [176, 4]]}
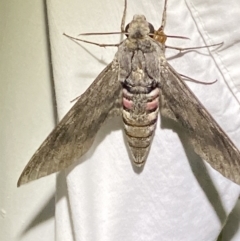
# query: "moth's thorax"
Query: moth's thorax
{"points": [[138, 28]]}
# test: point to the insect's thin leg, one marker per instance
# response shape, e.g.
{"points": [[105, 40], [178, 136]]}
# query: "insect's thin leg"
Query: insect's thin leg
{"points": [[124, 16], [187, 78], [193, 48], [106, 33], [89, 42]]}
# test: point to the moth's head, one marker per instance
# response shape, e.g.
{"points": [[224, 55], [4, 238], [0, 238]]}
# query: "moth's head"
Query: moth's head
{"points": [[139, 28]]}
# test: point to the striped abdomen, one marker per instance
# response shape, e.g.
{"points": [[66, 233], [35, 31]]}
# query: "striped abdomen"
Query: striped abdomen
{"points": [[140, 113]]}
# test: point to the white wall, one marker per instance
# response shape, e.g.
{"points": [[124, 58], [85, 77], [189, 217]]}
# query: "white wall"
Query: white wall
{"points": [[27, 116]]}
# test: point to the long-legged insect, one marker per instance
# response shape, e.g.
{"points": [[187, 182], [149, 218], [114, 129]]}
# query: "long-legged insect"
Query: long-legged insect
{"points": [[137, 85]]}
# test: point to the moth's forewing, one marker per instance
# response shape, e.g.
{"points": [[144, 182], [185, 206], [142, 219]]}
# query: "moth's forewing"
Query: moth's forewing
{"points": [[75, 133], [208, 139]]}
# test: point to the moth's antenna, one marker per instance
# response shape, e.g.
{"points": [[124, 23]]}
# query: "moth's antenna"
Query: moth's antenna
{"points": [[159, 34], [124, 17], [164, 16]]}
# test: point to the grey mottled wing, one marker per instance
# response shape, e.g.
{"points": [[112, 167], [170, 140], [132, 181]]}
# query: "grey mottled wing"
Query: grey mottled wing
{"points": [[75, 133], [209, 141]]}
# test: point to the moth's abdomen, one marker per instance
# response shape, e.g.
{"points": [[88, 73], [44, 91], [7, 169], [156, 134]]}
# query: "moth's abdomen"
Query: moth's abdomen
{"points": [[140, 113]]}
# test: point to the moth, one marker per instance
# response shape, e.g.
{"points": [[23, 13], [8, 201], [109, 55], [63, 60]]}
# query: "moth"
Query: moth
{"points": [[137, 85]]}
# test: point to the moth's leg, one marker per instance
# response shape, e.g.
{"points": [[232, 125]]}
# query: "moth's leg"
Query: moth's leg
{"points": [[89, 42], [193, 48], [187, 78], [124, 17]]}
